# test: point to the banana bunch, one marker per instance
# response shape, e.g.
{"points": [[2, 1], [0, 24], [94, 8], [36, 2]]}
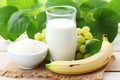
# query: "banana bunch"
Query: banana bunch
{"points": [[87, 65]]}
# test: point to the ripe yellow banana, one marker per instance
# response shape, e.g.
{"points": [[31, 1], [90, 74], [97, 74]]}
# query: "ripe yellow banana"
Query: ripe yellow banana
{"points": [[87, 65]]}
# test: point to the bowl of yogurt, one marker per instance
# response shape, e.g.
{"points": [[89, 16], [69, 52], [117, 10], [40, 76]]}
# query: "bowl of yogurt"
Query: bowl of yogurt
{"points": [[27, 53]]}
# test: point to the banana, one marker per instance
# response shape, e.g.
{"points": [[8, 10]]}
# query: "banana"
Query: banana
{"points": [[87, 65]]}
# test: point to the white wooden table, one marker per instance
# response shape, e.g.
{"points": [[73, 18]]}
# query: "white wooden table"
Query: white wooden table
{"points": [[113, 70]]}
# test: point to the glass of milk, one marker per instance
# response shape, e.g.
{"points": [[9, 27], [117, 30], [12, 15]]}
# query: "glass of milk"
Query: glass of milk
{"points": [[61, 32]]}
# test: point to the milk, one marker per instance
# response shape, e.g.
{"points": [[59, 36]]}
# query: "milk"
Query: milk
{"points": [[61, 38]]}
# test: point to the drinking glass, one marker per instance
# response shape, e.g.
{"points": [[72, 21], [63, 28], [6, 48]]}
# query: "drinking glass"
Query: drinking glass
{"points": [[61, 32]]}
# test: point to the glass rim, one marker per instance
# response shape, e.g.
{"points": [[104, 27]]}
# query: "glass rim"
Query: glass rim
{"points": [[64, 6]]}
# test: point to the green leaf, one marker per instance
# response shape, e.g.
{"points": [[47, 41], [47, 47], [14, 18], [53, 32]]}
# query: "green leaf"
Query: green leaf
{"points": [[93, 46], [5, 13], [93, 4], [80, 23], [33, 28], [59, 2], [115, 6], [29, 7], [106, 22], [18, 23], [41, 19], [40, 22], [34, 22], [94, 29], [2, 3], [31, 12], [87, 8], [80, 2], [22, 4]]}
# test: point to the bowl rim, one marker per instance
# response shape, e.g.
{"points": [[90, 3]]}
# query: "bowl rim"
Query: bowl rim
{"points": [[39, 52]]}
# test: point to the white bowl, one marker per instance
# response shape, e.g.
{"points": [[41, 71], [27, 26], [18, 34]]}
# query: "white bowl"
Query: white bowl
{"points": [[32, 58]]}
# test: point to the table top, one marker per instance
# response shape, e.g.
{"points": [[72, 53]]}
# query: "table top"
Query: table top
{"points": [[112, 72]]}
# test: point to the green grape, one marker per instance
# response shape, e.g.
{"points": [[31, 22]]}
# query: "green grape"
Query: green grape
{"points": [[87, 41], [85, 29], [88, 36], [77, 47], [44, 33], [80, 39], [82, 48], [79, 31], [44, 30], [87, 55], [44, 40], [38, 36], [79, 56]]}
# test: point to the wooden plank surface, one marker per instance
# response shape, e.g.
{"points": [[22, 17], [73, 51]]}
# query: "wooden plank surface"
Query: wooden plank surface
{"points": [[107, 76], [112, 76], [116, 43]]}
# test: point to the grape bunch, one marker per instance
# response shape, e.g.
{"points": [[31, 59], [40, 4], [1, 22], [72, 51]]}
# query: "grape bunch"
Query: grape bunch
{"points": [[84, 36], [41, 36]]}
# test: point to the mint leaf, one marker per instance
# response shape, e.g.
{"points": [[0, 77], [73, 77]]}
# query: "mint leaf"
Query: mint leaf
{"points": [[93, 46], [22, 4], [5, 13], [18, 23], [106, 22]]}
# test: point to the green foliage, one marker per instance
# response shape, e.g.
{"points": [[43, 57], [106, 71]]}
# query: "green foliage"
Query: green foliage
{"points": [[92, 5], [22, 4], [93, 46], [18, 23], [2, 3], [36, 25], [19, 16], [115, 6], [41, 19], [99, 17], [107, 22], [5, 13], [59, 2], [32, 29]]}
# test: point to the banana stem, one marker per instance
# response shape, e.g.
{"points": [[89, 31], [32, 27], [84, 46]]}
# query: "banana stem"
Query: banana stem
{"points": [[105, 37]]}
